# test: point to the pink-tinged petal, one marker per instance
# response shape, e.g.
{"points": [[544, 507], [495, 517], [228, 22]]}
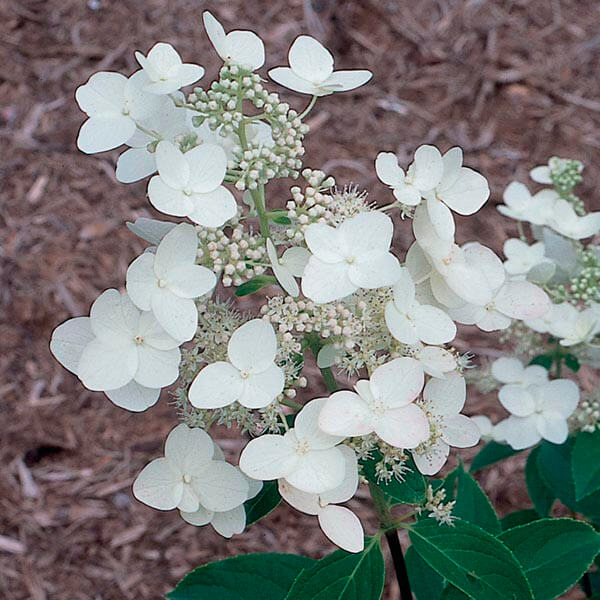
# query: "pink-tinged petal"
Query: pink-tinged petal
{"points": [[218, 384], [433, 459], [405, 427], [346, 414], [460, 431], [159, 485], [318, 471], [269, 457], [342, 527], [397, 382]]}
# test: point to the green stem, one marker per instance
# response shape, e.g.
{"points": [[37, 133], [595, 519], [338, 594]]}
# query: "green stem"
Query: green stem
{"points": [[258, 195], [291, 404], [314, 343], [312, 102]]}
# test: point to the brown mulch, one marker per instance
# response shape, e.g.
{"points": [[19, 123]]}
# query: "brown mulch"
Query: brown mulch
{"points": [[512, 82]]}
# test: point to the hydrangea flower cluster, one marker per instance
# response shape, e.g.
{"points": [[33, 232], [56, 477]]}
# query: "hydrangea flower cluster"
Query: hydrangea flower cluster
{"points": [[339, 290]]}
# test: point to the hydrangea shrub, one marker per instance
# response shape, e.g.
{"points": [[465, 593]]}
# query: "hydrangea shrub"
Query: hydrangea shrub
{"points": [[379, 326]]}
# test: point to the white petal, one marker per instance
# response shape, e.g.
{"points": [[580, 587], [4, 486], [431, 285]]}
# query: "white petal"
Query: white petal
{"points": [[306, 426], [432, 461], [494, 320], [541, 174], [343, 81], [325, 282], [405, 427], [178, 316], [178, 247], [452, 160], [433, 325], [141, 281], [310, 60], [324, 242], [427, 168], [345, 414], [318, 471], [102, 133], [213, 209], [151, 230], [521, 432], [560, 396], [220, 486], [507, 370], [229, 522], [460, 431], [468, 314], [397, 382], [134, 397], [484, 425], [268, 457], [253, 346], [191, 281], [342, 527], [375, 269], [141, 104], [295, 259], [302, 501], [68, 341], [103, 94], [522, 300], [189, 449], [535, 374], [401, 327], [346, 490], [167, 199], [218, 384], [446, 396], [468, 193], [245, 48], [388, 170], [441, 218], [287, 78], [150, 330], [172, 165], [436, 361], [417, 264], [404, 291], [517, 400], [135, 164], [207, 164], [407, 194], [366, 233], [260, 389], [443, 294], [553, 427], [200, 517], [157, 368], [282, 274], [103, 367], [159, 485], [487, 262], [216, 33]]}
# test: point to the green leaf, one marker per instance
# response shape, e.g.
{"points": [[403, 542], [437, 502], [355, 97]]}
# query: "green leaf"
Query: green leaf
{"points": [[554, 553], [452, 593], [541, 495], [491, 453], [545, 360], [263, 503], [255, 284], [572, 362], [473, 505], [343, 576], [425, 583], [519, 517], [409, 491], [244, 577], [554, 464], [585, 464], [471, 559], [281, 219]]}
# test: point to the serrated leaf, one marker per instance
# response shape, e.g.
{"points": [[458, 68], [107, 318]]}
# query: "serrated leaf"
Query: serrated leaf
{"points": [[263, 503], [554, 553], [471, 559], [343, 576], [541, 495], [544, 360], [255, 284], [472, 504], [425, 583], [585, 464], [490, 454], [519, 517], [245, 577], [409, 491]]}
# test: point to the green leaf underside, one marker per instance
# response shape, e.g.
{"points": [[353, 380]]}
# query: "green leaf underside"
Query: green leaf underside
{"points": [[541, 495], [409, 491], [519, 517], [472, 504], [263, 503], [585, 464], [452, 593], [343, 576], [471, 559], [554, 553], [425, 583], [255, 284], [554, 464], [244, 577], [490, 454]]}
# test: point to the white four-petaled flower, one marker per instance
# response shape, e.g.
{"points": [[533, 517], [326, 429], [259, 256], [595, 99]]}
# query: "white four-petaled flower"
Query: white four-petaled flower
{"points": [[305, 457], [165, 70], [291, 264], [311, 70], [250, 377], [352, 256], [521, 257], [167, 282], [383, 404], [189, 185], [188, 476]]}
